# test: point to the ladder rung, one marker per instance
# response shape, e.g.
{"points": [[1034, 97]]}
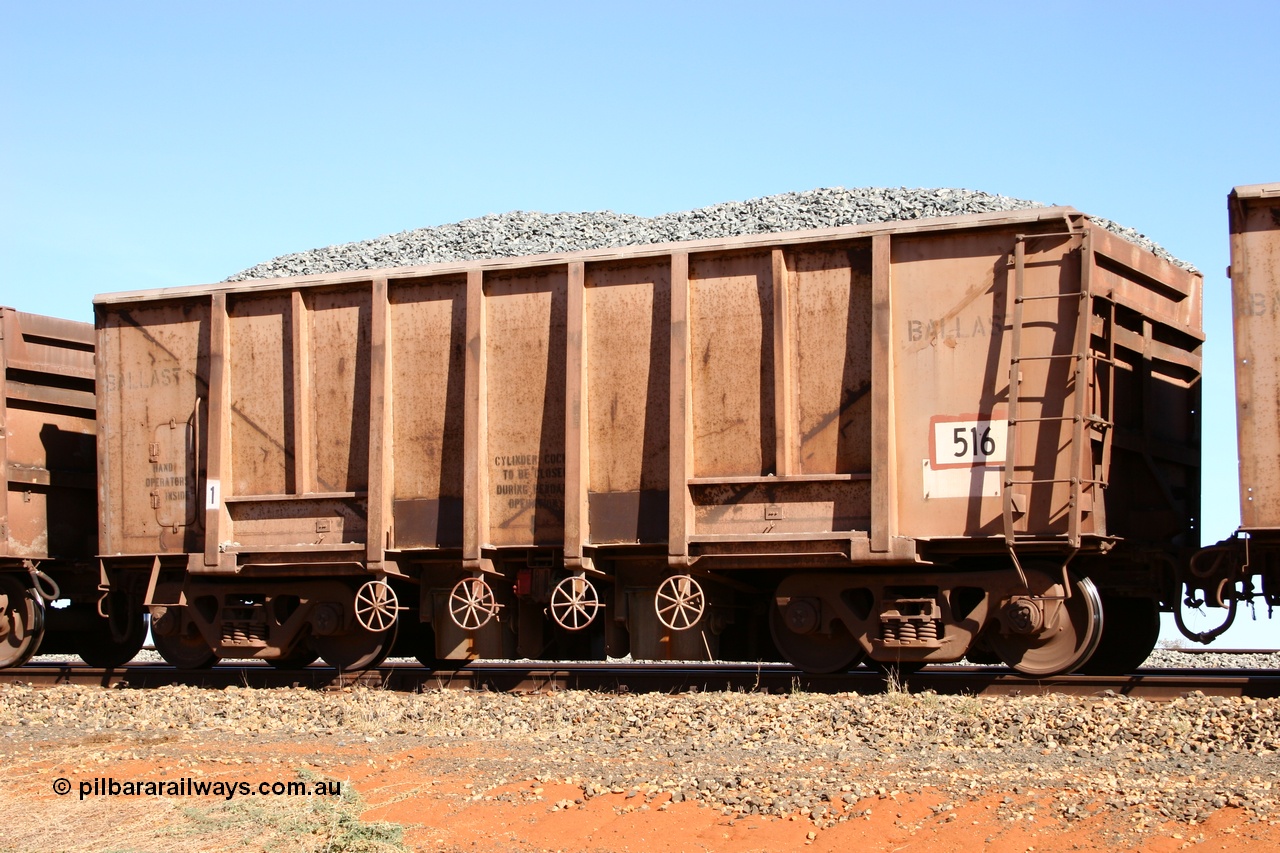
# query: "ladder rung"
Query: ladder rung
{"points": [[1078, 294], [1074, 355], [1013, 421], [1071, 480], [1022, 238], [1089, 356], [1044, 534], [1089, 419]]}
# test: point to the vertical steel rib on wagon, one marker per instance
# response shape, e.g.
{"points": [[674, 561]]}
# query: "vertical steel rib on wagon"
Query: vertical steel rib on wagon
{"points": [[906, 441], [1255, 285]]}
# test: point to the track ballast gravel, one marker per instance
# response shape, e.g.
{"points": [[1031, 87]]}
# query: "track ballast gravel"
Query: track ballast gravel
{"points": [[742, 753], [522, 233]]}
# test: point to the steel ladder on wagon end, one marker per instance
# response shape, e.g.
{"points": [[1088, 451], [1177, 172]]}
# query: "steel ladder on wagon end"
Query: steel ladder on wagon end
{"points": [[1083, 417]]}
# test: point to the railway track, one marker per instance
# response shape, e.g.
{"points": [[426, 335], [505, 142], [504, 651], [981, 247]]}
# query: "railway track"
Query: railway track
{"points": [[1160, 684]]}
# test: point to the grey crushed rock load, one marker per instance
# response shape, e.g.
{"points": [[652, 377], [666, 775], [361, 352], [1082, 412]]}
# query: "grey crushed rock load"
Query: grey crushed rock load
{"points": [[520, 233]]}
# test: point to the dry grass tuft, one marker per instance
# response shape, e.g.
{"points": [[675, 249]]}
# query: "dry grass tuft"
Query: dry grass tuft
{"points": [[305, 824]]}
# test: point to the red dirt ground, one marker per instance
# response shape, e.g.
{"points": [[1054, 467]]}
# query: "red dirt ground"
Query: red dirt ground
{"points": [[428, 792]]}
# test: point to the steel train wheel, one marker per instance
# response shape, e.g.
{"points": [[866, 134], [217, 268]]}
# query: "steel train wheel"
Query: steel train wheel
{"points": [[1130, 631], [1070, 631], [97, 647], [981, 653], [814, 652], [417, 639], [679, 602], [185, 650], [302, 655], [357, 649], [21, 622], [574, 603]]}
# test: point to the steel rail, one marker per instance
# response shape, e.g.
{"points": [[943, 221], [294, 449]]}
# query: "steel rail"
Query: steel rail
{"points": [[663, 677]]}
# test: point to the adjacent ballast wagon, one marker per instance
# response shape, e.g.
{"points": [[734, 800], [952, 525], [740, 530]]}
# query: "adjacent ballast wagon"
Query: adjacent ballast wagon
{"points": [[1246, 567], [48, 511], [1255, 278]]}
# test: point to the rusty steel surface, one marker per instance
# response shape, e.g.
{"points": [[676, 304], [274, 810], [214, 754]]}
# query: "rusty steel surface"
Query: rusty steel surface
{"points": [[1255, 286], [729, 414], [664, 678], [46, 438], [731, 387]]}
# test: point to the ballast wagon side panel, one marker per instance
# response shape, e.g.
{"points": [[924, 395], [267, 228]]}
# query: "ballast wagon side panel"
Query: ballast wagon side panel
{"points": [[232, 430], [627, 401], [636, 422], [243, 462], [779, 392], [1255, 286], [847, 388], [428, 341], [855, 394], [153, 370]]}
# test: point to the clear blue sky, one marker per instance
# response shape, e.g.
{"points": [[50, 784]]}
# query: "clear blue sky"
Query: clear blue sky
{"points": [[152, 144]]}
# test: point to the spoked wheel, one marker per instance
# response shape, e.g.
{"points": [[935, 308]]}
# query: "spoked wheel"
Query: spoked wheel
{"points": [[679, 602], [814, 652], [356, 650], [1130, 631], [1042, 634], [376, 606], [21, 622], [185, 650], [471, 604], [574, 603]]}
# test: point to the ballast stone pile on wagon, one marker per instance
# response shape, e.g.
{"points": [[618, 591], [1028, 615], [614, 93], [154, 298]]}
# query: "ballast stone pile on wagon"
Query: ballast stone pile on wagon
{"points": [[520, 233]]}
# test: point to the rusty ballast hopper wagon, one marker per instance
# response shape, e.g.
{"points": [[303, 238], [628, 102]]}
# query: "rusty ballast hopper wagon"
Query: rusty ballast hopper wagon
{"points": [[48, 512], [676, 451]]}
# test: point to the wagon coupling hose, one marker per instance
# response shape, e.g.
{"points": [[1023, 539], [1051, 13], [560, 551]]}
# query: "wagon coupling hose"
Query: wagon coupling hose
{"points": [[43, 585], [1207, 637], [1218, 553]]}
